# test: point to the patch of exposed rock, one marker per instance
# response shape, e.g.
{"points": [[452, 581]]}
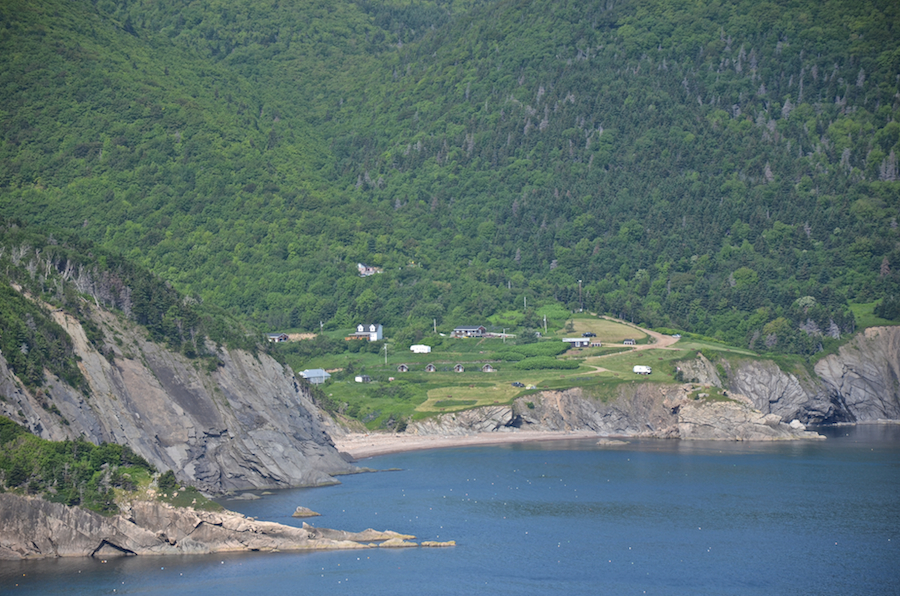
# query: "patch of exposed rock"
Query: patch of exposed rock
{"points": [[788, 395], [247, 424], [31, 527], [732, 421]]}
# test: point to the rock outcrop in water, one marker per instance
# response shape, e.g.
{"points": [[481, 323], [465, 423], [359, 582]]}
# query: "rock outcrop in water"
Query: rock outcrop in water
{"points": [[31, 528], [246, 424]]}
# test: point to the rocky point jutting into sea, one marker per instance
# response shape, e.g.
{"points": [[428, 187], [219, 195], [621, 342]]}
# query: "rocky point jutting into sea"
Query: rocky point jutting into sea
{"points": [[32, 528]]}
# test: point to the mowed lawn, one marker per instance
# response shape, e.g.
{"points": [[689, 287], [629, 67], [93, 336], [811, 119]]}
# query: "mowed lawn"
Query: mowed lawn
{"points": [[606, 330], [462, 397]]}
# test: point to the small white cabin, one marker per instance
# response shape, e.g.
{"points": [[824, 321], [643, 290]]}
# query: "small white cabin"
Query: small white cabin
{"points": [[640, 369]]}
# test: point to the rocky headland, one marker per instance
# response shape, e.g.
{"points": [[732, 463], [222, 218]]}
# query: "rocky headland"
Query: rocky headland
{"points": [[758, 401], [32, 528], [247, 424]]}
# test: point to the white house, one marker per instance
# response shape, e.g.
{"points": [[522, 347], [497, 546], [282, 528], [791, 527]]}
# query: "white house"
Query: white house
{"points": [[316, 376], [642, 370], [578, 342], [420, 349], [370, 331]]}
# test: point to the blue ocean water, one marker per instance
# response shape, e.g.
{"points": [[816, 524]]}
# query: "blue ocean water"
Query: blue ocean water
{"points": [[648, 517]]}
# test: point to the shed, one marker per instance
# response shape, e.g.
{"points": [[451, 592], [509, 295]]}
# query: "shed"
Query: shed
{"points": [[487, 368], [578, 342], [402, 368], [363, 379], [642, 370], [277, 337], [629, 342], [459, 368], [430, 367]]}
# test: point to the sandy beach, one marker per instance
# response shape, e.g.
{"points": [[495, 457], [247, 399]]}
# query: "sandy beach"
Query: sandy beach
{"points": [[361, 446]]}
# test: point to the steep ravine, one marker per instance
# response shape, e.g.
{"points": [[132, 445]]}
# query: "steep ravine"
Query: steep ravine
{"points": [[247, 424]]}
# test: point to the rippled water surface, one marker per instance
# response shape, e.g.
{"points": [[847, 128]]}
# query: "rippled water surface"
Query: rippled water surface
{"points": [[654, 517]]}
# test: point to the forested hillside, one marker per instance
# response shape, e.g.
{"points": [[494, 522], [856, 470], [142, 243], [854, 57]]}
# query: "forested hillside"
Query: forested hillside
{"points": [[725, 168]]}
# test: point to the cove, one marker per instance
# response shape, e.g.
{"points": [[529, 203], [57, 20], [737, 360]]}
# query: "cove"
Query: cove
{"points": [[571, 517]]}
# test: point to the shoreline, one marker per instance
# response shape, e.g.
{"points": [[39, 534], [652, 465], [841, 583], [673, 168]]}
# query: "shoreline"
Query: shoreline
{"points": [[364, 445]]}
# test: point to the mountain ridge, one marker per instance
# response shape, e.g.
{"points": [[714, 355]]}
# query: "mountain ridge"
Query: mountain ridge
{"points": [[706, 168]]}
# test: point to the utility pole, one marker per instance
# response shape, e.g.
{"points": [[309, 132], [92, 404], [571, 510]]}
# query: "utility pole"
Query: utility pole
{"points": [[434, 322], [580, 301], [385, 354], [504, 335]]}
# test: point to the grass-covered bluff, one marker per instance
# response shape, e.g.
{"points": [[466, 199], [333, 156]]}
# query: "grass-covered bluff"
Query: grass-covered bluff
{"points": [[77, 472]]}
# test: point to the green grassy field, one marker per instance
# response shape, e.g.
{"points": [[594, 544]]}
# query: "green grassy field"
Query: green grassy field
{"points": [[606, 330], [394, 396], [865, 315]]}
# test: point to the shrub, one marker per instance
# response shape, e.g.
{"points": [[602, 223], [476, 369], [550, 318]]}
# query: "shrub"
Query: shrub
{"points": [[167, 480]]}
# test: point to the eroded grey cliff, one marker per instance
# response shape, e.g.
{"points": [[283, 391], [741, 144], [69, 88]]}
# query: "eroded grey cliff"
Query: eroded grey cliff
{"points": [[641, 410], [247, 424], [864, 376]]}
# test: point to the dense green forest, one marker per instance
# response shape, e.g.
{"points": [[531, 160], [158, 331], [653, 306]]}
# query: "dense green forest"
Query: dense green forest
{"points": [[728, 168]]}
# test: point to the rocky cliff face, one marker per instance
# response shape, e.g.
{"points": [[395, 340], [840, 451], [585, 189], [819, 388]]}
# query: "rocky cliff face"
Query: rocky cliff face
{"points": [[247, 424], [641, 410], [858, 384], [864, 376], [32, 528]]}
